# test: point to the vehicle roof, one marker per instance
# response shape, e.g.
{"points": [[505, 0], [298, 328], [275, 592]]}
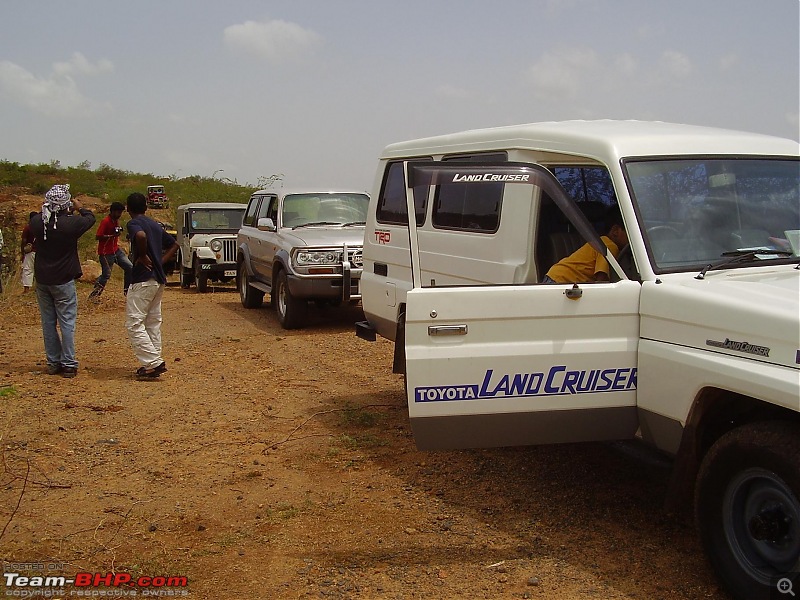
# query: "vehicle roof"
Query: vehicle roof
{"points": [[608, 139], [213, 205], [289, 191]]}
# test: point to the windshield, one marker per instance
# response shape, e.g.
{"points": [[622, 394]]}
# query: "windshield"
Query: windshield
{"points": [[210, 220], [325, 209], [694, 210]]}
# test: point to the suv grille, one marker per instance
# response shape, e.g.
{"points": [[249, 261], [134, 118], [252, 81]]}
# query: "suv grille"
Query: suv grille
{"points": [[229, 251], [356, 258]]}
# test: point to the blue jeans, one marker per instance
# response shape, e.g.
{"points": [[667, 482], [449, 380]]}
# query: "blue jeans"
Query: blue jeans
{"points": [[107, 262], [58, 304]]}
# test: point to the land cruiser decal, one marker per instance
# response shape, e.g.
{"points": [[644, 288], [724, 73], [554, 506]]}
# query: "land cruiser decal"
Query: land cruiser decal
{"points": [[558, 381], [729, 344], [458, 178]]}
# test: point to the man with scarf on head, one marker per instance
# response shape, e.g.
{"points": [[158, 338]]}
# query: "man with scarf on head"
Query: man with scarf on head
{"points": [[57, 266]]}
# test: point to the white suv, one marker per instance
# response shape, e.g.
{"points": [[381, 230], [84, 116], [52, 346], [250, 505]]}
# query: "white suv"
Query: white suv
{"points": [[693, 347]]}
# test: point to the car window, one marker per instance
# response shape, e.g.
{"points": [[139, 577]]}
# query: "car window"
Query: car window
{"points": [[329, 208], [587, 184], [694, 210], [250, 215], [266, 209], [392, 208], [211, 220], [272, 211], [474, 208]]}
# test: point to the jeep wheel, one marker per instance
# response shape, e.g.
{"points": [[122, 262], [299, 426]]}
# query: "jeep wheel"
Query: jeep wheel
{"points": [[291, 311], [747, 506], [250, 296], [200, 278]]}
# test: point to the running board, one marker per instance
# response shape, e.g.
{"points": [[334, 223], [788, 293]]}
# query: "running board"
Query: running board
{"points": [[263, 287]]}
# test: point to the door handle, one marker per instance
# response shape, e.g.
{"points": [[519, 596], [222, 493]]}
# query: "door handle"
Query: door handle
{"points": [[447, 330], [574, 293]]}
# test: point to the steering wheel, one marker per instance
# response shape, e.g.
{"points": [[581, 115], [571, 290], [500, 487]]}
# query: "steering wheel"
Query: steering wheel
{"points": [[661, 233]]}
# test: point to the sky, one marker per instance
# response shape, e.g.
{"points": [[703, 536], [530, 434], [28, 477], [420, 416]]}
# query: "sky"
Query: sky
{"points": [[311, 91]]}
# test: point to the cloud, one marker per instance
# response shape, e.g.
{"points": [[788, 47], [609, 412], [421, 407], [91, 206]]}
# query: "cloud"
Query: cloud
{"points": [[276, 41], [676, 64], [54, 96], [78, 64], [562, 74], [625, 64], [728, 62], [573, 73]]}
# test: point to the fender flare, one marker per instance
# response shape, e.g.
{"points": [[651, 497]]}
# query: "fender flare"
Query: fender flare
{"points": [[282, 261], [204, 253], [244, 258]]}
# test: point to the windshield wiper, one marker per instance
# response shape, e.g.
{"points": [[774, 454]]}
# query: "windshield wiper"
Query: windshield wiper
{"points": [[315, 223], [733, 257], [353, 223]]}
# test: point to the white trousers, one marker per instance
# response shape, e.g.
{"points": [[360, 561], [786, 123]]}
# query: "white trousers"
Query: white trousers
{"points": [[27, 269], [143, 321]]}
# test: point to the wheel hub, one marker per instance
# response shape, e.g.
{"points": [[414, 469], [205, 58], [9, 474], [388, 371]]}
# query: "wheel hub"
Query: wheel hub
{"points": [[770, 524]]}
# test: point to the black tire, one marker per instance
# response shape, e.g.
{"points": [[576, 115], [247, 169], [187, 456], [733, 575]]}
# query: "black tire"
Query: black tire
{"points": [[200, 278], [291, 311], [748, 509], [250, 296]]}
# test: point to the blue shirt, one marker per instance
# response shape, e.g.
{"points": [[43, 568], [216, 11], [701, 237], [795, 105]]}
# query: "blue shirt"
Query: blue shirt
{"points": [[158, 241]]}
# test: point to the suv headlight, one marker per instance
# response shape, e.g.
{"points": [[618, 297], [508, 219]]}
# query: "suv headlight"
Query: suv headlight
{"points": [[307, 258], [216, 245]]}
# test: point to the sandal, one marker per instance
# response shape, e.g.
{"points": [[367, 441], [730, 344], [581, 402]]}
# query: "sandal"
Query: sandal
{"points": [[143, 373]]}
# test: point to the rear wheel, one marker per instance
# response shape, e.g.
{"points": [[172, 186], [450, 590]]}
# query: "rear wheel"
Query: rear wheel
{"points": [[250, 296], [747, 505], [291, 311]]}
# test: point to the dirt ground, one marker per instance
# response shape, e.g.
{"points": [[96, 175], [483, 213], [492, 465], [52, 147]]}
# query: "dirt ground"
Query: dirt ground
{"points": [[272, 464]]}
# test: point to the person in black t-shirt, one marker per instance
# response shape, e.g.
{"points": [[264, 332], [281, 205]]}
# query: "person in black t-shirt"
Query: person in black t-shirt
{"points": [[56, 267], [152, 247]]}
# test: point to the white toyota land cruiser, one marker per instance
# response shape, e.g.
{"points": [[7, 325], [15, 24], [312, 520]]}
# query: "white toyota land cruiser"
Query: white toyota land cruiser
{"points": [[692, 347]]}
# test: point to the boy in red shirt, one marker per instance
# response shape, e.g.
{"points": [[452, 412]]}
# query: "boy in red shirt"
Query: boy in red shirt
{"points": [[108, 250]]}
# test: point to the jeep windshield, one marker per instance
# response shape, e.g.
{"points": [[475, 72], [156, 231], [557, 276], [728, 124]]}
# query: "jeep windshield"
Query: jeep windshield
{"points": [[210, 220], [697, 212], [324, 210]]}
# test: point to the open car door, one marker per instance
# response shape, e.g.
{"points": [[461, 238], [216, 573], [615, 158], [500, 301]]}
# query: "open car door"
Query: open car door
{"points": [[506, 365]]}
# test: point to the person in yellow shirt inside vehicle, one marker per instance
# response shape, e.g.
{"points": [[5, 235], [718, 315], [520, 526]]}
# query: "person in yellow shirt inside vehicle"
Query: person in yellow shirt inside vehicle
{"points": [[586, 265]]}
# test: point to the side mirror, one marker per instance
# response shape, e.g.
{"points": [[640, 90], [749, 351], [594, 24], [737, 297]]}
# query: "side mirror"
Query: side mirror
{"points": [[265, 224]]}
